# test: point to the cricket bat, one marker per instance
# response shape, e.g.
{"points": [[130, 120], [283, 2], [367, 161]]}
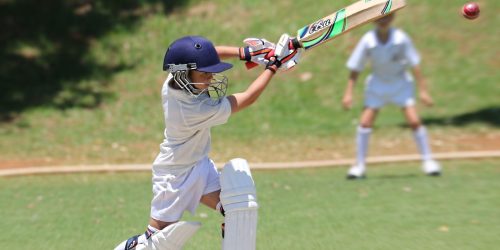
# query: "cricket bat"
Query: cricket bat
{"points": [[341, 22]]}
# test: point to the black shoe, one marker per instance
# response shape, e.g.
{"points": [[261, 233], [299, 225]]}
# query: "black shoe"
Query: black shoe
{"points": [[434, 174], [354, 177]]}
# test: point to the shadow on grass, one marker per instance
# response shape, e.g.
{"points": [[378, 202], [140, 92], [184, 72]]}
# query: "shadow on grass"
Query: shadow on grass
{"points": [[170, 6], [44, 50], [404, 176], [489, 116]]}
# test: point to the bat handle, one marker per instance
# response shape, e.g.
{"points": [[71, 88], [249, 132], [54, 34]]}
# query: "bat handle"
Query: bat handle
{"points": [[295, 44]]}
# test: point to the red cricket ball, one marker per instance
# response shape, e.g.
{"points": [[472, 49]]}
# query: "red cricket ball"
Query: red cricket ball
{"points": [[470, 10]]}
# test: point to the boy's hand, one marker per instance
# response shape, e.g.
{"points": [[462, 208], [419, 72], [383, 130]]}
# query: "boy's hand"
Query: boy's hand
{"points": [[258, 51], [286, 62], [347, 101], [286, 53], [274, 64], [426, 98]]}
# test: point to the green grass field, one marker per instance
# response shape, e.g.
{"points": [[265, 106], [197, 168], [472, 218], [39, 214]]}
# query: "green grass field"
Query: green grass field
{"points": [[80, 84], [396, 207], [110, 112]]}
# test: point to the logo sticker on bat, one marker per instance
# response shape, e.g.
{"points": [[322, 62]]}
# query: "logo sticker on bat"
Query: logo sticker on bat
{"points": [[319, 25]]}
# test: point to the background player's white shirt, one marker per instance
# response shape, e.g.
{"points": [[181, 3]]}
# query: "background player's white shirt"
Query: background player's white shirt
{"points": [[389, 61], [187, 128]]}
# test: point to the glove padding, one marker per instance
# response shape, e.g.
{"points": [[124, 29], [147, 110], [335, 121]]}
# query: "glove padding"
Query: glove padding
{"points": [[286, 52], [258, 51], [285, 56]]}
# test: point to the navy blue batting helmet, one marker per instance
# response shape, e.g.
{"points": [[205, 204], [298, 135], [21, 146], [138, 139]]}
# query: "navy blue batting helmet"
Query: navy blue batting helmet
{"points": [[195, 50]]}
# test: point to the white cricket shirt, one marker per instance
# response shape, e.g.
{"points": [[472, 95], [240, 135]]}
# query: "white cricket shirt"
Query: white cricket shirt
{"points": [[389, 61], [187, 128]]}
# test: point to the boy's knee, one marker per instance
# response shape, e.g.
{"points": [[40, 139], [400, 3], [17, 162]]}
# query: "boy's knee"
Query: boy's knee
{"points": [[414, 124]]}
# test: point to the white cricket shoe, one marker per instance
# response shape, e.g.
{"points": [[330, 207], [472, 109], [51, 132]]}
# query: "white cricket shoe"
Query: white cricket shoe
{"points": [[356, 172], [431, 168]]}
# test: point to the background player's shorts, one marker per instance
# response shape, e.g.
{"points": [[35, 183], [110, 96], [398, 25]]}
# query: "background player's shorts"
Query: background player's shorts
{"points": [[379, 94], [172, 195]]}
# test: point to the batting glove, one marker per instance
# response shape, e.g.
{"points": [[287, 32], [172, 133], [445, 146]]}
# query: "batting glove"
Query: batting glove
{"points": [[273, 64], [258, 51], [284, 62], [287, 52]]}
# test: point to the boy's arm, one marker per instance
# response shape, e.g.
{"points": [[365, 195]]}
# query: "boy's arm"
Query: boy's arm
{"points": [[227, 52], [348, 94], [356, 64], [241, 100], [425, 97], [244, 99]]}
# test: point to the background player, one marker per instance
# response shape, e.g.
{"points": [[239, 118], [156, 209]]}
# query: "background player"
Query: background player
{"points": [[390, 52], [194, 100]]}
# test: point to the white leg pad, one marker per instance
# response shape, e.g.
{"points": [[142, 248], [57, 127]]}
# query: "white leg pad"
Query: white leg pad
{"points": [[172, 237], [240, 230], [239, 200]]}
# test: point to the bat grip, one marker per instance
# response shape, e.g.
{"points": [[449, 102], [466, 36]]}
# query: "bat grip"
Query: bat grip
{"points": [[295, 44]]}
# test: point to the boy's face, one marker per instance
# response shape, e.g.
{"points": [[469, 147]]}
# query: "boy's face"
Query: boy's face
{"points": [[200, 79], [385, 22]]}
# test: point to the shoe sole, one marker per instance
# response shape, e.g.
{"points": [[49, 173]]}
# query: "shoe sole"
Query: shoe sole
{"points": [[434, 174], [354, 177]]}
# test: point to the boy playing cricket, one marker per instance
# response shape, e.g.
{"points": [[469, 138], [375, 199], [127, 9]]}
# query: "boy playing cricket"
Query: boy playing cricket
{"points": [[390, 52], [194, 101]]}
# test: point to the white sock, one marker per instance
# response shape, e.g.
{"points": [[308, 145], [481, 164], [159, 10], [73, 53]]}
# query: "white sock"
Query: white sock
{"points": [[420, 136], [362, 140]]}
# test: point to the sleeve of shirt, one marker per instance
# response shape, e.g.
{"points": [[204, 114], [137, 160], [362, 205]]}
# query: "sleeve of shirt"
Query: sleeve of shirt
{"points": [[358, 58], [411, 54], [209, 115]]}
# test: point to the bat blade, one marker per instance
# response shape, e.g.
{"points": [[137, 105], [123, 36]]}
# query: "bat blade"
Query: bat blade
{"points": [[344, 20]]}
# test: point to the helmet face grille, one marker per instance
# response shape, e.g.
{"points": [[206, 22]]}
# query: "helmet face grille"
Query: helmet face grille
{"points": [[182, 80], [216, 89]]}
